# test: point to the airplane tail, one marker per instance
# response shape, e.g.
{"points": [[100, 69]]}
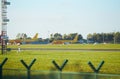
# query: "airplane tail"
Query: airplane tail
{"points": [[76, 38], [36, 36]]}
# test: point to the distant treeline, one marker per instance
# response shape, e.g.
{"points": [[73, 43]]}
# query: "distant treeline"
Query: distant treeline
{"points": [[113, 37]]}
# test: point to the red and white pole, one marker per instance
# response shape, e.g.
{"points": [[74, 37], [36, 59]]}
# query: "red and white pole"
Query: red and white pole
{"points": [[4, 21]]}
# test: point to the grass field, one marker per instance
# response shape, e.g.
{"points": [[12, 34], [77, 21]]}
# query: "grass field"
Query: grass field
{"points": [[78, 59]]}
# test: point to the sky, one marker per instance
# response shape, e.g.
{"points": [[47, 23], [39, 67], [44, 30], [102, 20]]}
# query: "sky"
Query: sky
{"points": [[62, 16]]}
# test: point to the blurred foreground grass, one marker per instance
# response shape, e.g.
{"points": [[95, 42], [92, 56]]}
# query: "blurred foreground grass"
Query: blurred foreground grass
{"points": [[77, 60]]}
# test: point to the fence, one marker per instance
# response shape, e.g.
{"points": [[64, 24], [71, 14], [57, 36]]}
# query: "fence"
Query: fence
{"points": [[37, 74]]}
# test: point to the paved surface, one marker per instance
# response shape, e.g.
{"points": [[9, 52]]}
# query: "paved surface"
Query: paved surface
{"points": [[67, 49]]}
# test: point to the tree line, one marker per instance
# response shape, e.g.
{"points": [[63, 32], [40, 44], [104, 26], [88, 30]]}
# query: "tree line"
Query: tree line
{"points": [[113, 37]]}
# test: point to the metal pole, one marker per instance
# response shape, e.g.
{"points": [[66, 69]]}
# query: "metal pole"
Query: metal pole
{"points": [[28, 67], [1, 66], [96, 71], [2, 46], [4, 21], [60, 68]]}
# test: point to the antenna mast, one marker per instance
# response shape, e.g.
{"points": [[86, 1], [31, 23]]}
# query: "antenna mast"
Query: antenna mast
{"points": [[4, 21]]}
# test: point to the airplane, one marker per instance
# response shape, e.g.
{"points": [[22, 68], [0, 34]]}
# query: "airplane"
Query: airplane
{"points": [[66, 41], [34, 40]]}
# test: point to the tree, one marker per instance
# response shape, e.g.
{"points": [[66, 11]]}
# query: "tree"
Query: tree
{"points": [[21, 36], [51, 37], [18, 36], [117, 37], [89, 37], [108, 37], [66, 37], [24, 36], [57, 36], [101, 37], [80, 37], [94, 37]]}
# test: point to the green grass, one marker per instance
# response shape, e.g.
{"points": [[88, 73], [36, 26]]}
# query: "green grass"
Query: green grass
{"points": [[78, 60]]}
